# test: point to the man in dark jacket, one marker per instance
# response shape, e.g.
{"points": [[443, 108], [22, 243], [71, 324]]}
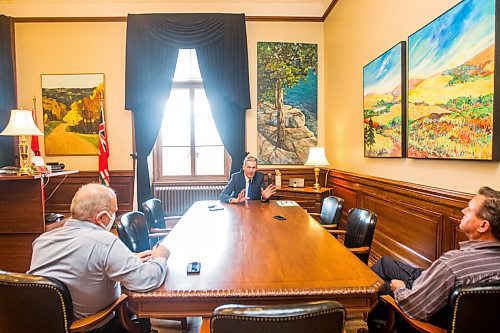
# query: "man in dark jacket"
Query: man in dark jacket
{"points": [[247, 184]]}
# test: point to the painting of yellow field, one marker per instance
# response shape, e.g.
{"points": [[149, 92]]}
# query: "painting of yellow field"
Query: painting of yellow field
{"points": [[384, 92], [71, 113], [451, 64]]}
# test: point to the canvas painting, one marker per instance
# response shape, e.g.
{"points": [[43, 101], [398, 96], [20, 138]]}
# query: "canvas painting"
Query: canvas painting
{"points": [[384, 104], [451, 99], [287, 102], [71, 113]]}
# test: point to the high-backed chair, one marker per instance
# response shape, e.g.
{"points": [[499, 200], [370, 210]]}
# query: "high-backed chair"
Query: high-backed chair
{"points": [[358, 235], [471, 309], [31, 303], [331, 211], [155, 217], [318, 317], [133, 231]]}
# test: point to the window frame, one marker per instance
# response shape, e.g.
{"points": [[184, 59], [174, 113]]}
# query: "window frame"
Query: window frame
{"points": [[158, 177]]}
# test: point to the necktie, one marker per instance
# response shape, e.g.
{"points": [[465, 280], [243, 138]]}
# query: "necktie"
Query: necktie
{"points": [[249, 188]]}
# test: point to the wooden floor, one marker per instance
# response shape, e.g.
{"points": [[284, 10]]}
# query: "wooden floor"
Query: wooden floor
{"points": [[174, 326]]}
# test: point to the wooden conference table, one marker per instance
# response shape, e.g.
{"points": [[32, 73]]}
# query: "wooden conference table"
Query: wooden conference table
{"points": [[249, 257]]}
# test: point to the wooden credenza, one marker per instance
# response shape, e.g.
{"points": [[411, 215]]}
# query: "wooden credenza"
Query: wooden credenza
{"points": [[22, 210], [309, 198]]}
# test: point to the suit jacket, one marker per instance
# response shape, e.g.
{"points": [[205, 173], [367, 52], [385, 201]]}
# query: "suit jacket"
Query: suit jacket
{"points": [[239, 183]]}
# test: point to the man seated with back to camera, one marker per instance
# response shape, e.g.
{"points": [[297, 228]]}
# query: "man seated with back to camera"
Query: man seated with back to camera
{"points": [[91, 261], [247, 184], [422, 294]]}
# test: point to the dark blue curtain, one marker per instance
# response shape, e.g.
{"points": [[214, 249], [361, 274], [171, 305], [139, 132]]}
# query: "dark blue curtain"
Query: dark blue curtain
{"points": [[7, 88], [153, 41]]}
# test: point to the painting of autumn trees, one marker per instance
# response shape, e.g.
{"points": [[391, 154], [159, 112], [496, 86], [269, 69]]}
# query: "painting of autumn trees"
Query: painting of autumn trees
{"points": [[71, 113], [451, 97]]}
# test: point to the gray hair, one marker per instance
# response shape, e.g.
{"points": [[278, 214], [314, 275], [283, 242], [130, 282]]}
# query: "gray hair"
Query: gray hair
{"points": [[490, 211], [249, 158], [91, 199]]}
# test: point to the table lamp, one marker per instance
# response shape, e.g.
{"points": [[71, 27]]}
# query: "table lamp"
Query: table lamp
{"points": [[21, 123], [317, 158]]}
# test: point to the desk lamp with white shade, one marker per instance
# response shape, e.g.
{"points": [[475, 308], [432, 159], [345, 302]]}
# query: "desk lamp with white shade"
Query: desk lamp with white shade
{"points": [[21, 123], [317, 158]]}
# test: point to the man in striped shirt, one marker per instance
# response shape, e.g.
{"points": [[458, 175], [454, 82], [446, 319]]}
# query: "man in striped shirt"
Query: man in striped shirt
{"points": [[422, 293]]}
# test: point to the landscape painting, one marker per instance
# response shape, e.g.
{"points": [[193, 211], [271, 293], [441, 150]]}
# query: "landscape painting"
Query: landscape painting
{"points": [[287, 101], [384, 104], [71, 113], [451, 111]]}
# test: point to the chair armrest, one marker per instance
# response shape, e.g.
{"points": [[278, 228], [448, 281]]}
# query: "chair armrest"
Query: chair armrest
{"points": [[330, 227], [158, 234], [337, 232], [160, 230], [84, 324], [421, 326], [171, 221], [205, 325], [359, 250]]}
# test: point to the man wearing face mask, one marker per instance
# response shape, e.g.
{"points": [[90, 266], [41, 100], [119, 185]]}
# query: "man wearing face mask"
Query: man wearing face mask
{"points": [[91, 261]]}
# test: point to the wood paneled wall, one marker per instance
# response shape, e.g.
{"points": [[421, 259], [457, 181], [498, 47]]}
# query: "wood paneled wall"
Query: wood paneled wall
{"points": [[59, 192], [416, 223]]}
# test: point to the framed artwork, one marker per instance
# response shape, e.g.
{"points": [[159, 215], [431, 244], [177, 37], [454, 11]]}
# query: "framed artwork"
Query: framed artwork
{"points": [[71, 113], [452, 111], [384, 104], [287, 102]]}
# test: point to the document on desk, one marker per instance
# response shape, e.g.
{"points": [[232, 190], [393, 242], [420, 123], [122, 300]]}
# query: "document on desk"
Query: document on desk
{"points": [[283, 203]]}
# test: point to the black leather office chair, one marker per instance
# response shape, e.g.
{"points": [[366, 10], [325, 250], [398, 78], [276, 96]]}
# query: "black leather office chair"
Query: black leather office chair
{"points": [[471, 309], [133, 231], [358, 236], [318, 317], [155, 217], [30, 303], [331, 211]]}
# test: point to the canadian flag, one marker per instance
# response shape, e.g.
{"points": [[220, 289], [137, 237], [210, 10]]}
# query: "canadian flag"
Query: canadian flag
{"points": [[103, 148], [35, 146]]}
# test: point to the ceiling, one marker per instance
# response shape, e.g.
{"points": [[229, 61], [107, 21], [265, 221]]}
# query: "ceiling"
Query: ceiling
{"points": [[55, 8]]}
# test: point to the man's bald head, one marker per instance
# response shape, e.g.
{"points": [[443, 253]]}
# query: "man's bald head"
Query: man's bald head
{"points": [[91, 199]]}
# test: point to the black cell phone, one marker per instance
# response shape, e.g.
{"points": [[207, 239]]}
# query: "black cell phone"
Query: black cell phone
{"points": [[279, 217], [215, 207], [194, 267]]}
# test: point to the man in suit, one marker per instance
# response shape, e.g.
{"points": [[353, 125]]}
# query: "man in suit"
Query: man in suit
{"points": [[247, 184]]}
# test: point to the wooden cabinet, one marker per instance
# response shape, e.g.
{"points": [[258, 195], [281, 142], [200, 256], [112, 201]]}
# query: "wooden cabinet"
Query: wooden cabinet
{"points": [[22, 208], [309, 198]]}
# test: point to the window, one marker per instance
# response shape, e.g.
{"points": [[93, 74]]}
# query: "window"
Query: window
{"points": [[189, 147]]}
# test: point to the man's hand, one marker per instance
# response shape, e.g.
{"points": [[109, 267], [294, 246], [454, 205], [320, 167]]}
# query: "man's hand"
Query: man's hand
{"points": [[241, 198], [144, 256], [268, 192], [395, 284], [160, 252]]}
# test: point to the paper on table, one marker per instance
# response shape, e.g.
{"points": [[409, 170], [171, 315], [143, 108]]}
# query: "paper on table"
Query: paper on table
{"points": [[286, 203]]}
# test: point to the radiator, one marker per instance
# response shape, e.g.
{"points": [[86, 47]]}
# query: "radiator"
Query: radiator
{"points": [[177, 199]]}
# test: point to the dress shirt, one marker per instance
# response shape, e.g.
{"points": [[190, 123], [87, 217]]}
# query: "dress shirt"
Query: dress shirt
{"points": [[475, 262], [92, 263]]}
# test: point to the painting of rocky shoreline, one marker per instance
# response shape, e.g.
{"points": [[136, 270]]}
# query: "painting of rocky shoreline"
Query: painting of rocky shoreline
{"points": [[451, 113], [287, 95]]}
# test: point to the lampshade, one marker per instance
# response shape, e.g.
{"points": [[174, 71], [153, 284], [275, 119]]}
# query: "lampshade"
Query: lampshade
{"points": [[317, 157], [21, 123]]}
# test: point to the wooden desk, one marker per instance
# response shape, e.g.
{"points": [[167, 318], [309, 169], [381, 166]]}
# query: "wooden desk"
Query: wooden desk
{"points": [[22, 208], [309, 198], [248, 257]]}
